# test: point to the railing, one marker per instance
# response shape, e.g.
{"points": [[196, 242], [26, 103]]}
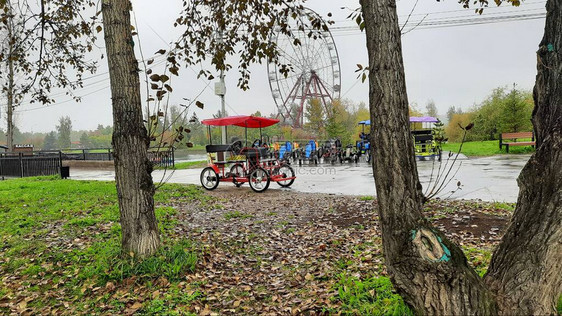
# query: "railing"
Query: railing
{"points": [[161, 157], [44, 163], [30, 164], [99, 154]]}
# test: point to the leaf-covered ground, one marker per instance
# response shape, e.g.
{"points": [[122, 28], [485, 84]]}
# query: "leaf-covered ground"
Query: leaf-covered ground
{"points": [[230, 251]]}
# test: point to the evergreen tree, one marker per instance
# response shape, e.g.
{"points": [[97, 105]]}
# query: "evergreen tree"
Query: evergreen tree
{"points": [[64, 128], [516, 113], [50, 141], [85, 140]]}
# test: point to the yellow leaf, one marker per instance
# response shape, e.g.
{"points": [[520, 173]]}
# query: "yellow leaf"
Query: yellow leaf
{"points": [[236, 304], [110, 286], [206, 311]]}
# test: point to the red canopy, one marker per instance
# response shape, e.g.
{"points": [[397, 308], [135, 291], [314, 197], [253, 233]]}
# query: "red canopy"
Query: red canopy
{"points": [[241, 120]]}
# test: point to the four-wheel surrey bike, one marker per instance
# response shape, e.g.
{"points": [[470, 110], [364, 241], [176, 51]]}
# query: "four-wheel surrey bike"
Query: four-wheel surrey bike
{"points": [[240, 164]]}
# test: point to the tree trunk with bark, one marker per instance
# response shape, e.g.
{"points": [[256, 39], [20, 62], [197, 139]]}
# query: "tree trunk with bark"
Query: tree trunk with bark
{"points": [[526, 269], [10, 111], [135, 189], [429, 271], [10, 92]]}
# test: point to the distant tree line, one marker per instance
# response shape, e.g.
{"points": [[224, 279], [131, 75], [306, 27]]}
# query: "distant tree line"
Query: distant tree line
{"points": [[63, 137], [503, 111]]}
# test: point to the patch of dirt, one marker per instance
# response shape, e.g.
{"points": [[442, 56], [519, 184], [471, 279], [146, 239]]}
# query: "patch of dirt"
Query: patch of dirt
{"points": [[476, 225], [471, 222], [270, 208], [282, 252], [89, 164]]}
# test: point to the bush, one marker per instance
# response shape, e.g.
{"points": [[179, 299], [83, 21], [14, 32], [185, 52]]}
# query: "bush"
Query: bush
{"points": [[453, 131]]}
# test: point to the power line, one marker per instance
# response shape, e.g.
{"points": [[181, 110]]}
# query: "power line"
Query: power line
{"points": [[451, 22], [506, 9]]}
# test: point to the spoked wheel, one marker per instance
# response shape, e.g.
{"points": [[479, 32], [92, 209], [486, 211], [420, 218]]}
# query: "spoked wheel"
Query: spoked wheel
{"points": [[209, 178], [286, 172], [259, 180], [237, 171]]}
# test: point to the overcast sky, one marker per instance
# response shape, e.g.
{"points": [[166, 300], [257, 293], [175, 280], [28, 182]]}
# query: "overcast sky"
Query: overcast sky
{"points": [[452, 65]]}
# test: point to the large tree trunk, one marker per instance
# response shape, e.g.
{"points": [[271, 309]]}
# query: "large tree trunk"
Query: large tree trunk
{"points": [[10, 111], [430, 272], [526, 269], [10, 92], [135, 189]]}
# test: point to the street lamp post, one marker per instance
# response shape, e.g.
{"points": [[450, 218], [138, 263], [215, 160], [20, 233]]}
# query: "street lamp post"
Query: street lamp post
{"points": [[220, 90]]}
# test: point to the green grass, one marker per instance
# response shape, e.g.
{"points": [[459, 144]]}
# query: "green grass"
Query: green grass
{"points": [[188, 165], [236, 214], [559, 305], [60, 245], [196, 148], [62, 237], [372, 296], [485, 148], [367, 198], [79, 151], [504, 206], [479, 258]]}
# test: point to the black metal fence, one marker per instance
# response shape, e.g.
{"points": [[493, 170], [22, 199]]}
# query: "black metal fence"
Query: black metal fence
{"points": [[160, 157], [98, 154], [30, 164], [45, 163]]}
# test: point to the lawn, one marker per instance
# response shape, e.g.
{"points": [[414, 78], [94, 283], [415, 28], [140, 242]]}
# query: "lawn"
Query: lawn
{"points": [[61, 250], [486, 148], [187, 165], [221, 253]]}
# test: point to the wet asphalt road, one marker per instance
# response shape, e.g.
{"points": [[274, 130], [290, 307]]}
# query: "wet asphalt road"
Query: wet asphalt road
{"points": [[488, 178]]}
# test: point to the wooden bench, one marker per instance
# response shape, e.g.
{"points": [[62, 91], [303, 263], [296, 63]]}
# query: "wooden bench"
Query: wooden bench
{"points": [[513, 137]]}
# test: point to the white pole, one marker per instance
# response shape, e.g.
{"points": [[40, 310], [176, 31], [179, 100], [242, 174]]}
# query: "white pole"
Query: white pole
{"points": [[220, 90], [223, 109]]}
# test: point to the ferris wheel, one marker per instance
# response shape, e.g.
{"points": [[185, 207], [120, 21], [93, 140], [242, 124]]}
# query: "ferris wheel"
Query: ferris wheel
{"points": [[315, 75]]}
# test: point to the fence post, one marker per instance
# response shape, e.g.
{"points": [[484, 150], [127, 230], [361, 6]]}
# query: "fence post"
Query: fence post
{"points": [[21, 164], [109, 154], [60, 163], [84, 153], [173, 158]]}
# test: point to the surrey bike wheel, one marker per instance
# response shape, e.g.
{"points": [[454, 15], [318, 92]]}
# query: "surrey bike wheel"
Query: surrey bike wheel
{"points": [[209, 178], [287, 172], [237, 171], [259, 180]]}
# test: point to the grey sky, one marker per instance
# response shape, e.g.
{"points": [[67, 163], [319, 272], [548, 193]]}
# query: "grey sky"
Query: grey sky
{"points": [[452, 65]]}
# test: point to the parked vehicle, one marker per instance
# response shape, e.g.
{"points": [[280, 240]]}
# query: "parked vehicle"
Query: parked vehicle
{"points": [[422, 132], [424, 141], [331, 151], [308, 153], [239, 164]]}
